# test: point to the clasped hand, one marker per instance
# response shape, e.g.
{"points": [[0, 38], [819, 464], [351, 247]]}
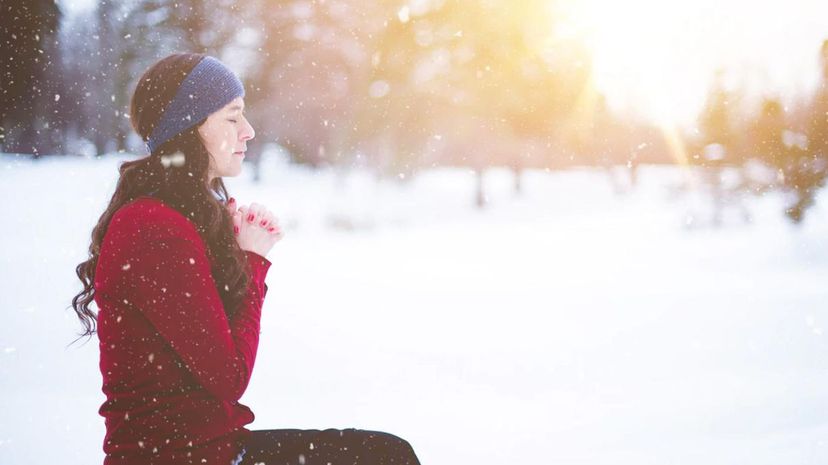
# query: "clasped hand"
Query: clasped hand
{"points": [[257, 228]]}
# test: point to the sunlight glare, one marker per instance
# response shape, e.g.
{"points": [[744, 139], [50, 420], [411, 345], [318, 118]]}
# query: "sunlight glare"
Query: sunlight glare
{"points": [[656, 58]]}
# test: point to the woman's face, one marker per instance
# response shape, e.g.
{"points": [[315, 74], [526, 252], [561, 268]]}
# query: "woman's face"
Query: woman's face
{"points": [[225, 134]]}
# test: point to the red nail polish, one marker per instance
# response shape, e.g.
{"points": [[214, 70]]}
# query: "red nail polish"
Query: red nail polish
{"points": [[235, 229], [250, 217], [270, 229], [232, 200], [264, 222]]}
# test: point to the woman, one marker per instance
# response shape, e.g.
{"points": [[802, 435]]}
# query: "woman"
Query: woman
{"points": [[177, 272]]}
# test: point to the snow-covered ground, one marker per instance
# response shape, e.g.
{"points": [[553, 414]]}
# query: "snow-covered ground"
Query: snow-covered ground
{"points": [[568, 325]]}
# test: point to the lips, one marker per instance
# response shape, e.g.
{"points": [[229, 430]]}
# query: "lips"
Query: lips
{"points": [[239, 153]]}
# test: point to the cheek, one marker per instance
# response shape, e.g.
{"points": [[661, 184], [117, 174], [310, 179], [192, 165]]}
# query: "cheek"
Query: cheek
{"points": [[225, 140], [211, 139], [218, 138]]}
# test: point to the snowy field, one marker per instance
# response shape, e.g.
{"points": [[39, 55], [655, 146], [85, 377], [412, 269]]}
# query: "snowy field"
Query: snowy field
{"points": [[570, 325]]}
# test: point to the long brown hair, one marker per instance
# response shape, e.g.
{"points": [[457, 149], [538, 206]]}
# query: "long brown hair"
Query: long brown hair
{"points": [[180, 182]]}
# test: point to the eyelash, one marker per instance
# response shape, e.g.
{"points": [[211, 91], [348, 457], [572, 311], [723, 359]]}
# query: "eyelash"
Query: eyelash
{"points": [[232, 121]]}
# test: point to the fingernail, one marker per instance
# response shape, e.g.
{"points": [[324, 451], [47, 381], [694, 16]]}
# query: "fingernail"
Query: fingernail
{"points": [[250, 218], [235, 229], [232, 200], [263, 222], [271, 229]]}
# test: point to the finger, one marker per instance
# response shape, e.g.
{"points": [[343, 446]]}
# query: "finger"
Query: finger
{"points": [[237, 221], [273, 222], [266, 219], [251, 213], [261, 214], [257, 211], [275, 228], [231, 205]]}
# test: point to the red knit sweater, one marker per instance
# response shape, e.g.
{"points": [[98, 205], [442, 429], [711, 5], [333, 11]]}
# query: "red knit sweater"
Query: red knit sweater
{"points": [[173, 366]]}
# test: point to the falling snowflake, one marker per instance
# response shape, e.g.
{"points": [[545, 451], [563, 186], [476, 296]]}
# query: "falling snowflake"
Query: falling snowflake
{"points": [[404, 14], [176, 159], [379, 89]]}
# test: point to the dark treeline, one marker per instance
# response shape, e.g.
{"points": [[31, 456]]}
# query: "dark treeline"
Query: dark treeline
{"points": [[394, 87]]}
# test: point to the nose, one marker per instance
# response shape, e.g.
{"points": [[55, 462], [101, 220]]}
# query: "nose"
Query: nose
{"points": [[247, 132]]}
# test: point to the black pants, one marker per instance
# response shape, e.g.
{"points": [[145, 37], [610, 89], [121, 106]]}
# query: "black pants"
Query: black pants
{"points": [[326, 447]]}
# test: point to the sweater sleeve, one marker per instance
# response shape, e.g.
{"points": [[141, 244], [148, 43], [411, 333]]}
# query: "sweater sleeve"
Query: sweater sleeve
{"points": [[172, 285]]}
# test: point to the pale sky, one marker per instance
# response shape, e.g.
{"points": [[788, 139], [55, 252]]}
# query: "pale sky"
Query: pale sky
{"points": [[657, 57]]}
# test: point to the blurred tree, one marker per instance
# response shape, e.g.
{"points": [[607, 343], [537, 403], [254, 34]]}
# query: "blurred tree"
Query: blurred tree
{"points": [[718, 145], [108, 48], [818, 128], [307, 60], [29, 84], [716, 122], [768, 133], [800, 160], [478, 82], [133, 35], [394, 103], [200, 27], [800, 171], [806, 165]]}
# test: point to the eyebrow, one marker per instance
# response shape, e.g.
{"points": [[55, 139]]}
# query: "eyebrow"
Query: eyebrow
{"points": [[235, 107]]}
